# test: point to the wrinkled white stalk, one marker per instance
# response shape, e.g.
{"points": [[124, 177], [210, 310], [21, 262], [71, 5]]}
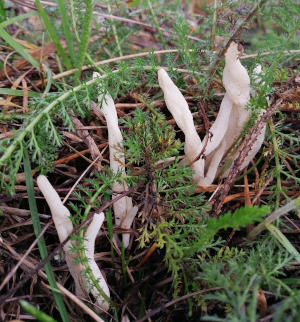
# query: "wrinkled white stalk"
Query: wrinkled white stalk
{"points": [[232, 115], [214, 162], [60, 213], [257, 72], [260, 139], [219, 128], [123, 210], [179, 109], [235, 77], [89, 246], [64, 227]]}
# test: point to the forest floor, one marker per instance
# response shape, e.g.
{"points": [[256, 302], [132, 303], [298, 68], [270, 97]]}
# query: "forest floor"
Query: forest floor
{"points": [[229, 251]]}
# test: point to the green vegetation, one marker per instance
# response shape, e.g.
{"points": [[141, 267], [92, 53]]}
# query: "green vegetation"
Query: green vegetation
{"points": [[193, 250]]}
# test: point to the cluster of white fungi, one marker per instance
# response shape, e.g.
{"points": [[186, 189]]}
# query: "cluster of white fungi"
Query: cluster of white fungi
{"points": [[226, 129]]}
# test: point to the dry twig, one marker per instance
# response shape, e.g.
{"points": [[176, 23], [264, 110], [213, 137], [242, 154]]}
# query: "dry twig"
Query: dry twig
{"points": [[247, 145]]}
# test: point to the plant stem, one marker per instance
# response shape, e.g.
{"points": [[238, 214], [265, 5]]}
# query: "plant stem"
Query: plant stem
{"points": [[2, 11], [284, 241], [277, 164], [53, 34], [114, 29], [32, 310], [84, 38], [65, 22], [213, 24], [161, 36]]}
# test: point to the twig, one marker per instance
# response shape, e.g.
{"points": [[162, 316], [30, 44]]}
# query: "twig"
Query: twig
{"points": [[259, 193], [77, 155], [75, 299], [235, 170], [79, 179], [246, 189], [150, 251], [233, 36], [12, 272], [179, 299]]}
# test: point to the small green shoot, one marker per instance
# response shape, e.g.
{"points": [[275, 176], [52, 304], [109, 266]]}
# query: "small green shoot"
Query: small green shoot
{"points": [[36, 313]]}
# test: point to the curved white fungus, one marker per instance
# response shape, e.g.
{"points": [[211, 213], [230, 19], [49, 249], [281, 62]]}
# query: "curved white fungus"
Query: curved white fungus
{"points": [[228, 125], [64, 227], [179, 109], [123, 210], [89, 246]]}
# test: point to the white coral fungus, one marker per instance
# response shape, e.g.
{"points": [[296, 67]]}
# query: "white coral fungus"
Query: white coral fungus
{"points": [[227, 127], [64, 227], [179, 109], [123, 208]]}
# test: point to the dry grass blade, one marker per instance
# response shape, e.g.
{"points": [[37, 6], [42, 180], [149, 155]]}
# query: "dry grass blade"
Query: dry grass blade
{"points": [[294, 204]]}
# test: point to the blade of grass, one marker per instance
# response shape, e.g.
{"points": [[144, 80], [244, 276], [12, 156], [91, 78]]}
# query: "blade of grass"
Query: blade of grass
{"points": [[32, 310], [17, 92], [108, 216], [86, 28], [283, 241], [17, 18], [49, 80], [213, 24], [293, 204], [53, 34], [114, 29], [161, 36], [41, 243], [73, 19], [19, 48], [65, 22], [2, 11]]}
